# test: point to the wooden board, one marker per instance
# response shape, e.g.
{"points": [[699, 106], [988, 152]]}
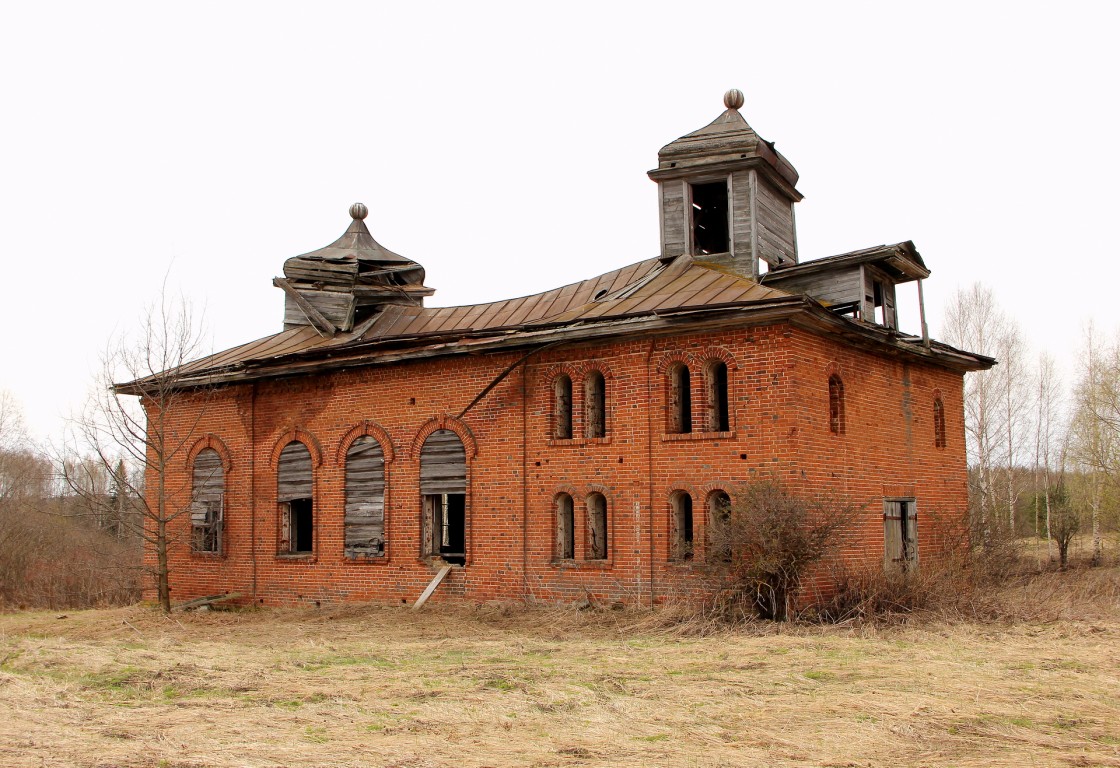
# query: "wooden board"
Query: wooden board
{"points": [[364, 519], [293, 476], [443, 464]]}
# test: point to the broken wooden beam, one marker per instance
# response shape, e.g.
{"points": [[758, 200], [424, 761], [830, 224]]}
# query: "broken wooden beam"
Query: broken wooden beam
{"points": [[432, 587]]}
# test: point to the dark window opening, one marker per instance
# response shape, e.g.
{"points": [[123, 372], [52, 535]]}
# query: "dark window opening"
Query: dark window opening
{"points": [[301, 527], [565, 528], [562, 408], [680, 399], [595, 405], [682, 526], [448, 513], [718, 419], [719, 527], [597, 527], [938, 423], [294, 492], [443, 484], [835, 405], [709, 218]]}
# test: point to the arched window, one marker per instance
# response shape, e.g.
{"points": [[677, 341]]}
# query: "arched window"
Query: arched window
{"points": [[443, 485], [680, 399], [597, 538], [565, 527], [594, 405], [720, 533], [681, 528], [364, 520], [562, 407], [718, 416], [938, 423], [835, 405], [208, 486], [295, 496]]}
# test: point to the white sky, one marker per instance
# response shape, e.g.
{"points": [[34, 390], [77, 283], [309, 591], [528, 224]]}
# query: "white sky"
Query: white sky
{"points": [[505, 147]]}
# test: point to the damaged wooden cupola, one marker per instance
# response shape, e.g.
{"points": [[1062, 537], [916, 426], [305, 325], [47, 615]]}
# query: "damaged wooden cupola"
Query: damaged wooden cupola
{"points": [[576, 443]]}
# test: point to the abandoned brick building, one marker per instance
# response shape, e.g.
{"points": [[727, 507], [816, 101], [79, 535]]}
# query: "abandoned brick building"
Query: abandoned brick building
{"points": [[578, 441]]}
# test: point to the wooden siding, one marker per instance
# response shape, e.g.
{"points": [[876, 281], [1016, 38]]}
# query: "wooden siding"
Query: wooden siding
{"points": [[208, 484], [674, 218], [774, 218], [839, 287], [443, 464], [333, 305], [293, 476], [365, 498], [742, 225]]}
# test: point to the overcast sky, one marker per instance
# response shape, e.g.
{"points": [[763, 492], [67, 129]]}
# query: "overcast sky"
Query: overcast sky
{"points": [[505, 148]]}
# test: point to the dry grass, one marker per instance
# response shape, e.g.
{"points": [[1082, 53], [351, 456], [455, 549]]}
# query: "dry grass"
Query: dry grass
{"points": [[550, 687]]}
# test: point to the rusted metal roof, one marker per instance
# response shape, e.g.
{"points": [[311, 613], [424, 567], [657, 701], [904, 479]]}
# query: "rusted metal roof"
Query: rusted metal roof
{"points": [[636, 298]]}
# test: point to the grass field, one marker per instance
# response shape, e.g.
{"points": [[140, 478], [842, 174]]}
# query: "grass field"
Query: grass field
{"points": [[496, 686]]}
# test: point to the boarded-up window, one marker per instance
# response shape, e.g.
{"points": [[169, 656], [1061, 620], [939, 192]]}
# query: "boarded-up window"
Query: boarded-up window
{"points": [[718, 415], [681, 526], [365, 499], [719, 527], [938, 423], [207, 501], [562, 407], [835, 405], [443, 486], [595, 405], [565, 527], [900, 532], [597, 547], [294, 484], [680, 399]]}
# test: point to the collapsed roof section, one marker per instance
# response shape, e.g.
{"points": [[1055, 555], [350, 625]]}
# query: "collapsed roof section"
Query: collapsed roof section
{"points": [[336, 287]]}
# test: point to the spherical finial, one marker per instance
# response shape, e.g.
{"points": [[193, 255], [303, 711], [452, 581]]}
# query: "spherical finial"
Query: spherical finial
{"points": [[733, 99], [358, 211]]}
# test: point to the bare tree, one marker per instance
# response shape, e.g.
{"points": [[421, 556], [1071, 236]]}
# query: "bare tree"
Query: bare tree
{"points": [[133, 425], [1046, 439]]}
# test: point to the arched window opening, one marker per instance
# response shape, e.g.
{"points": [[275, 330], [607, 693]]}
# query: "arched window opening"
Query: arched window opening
{"points": [[718, 415], [294, 494], [595, 405], [720, 533], [364, 520], [443, 486], [680, 399], [597, 539], [681, 505], [835, 405], [562, 407], [565, 527], [207, 502], [938, 423]]}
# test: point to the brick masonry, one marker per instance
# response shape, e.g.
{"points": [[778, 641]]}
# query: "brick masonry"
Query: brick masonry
{"points": [[779, 427]]}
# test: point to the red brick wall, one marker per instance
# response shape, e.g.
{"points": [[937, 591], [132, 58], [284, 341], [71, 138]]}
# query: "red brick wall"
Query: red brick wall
{"points": [[778, 398]]}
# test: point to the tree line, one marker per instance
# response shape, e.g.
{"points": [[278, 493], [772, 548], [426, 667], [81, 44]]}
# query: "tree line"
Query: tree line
{"points": [[1043, 448]]}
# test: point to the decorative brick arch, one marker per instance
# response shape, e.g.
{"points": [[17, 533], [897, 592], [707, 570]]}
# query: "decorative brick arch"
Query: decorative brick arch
{"points": [[549, 375], [567, 488], [833, 369], [443, 421], [591, 488], [297, 435], [711, 354], [363, 429], [680, 487], [579, 371], [668, 359], [215, 443]]}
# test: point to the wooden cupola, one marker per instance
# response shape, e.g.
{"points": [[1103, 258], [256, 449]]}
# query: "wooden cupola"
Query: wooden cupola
{"points": [[346, 283], [727, 196]]}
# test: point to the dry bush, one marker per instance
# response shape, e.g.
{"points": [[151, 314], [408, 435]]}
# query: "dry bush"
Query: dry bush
{"points": [[47, 561], [764, 544]]}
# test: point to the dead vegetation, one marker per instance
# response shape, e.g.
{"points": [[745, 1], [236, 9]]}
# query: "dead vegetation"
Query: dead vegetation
{"points": [[508, 685]]}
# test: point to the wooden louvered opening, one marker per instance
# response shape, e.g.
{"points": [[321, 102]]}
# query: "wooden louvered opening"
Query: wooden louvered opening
{"points": [[680, 399], [565, 528], [364, 521], [900, 533], [207, 498], [562, 408], [710, 231], [718, 413], [595, 405], [719, 524], [294, 494], [682, 541], [443, 486], [597, 535]]}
